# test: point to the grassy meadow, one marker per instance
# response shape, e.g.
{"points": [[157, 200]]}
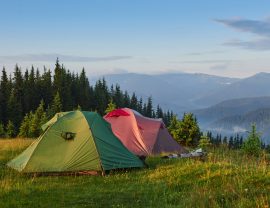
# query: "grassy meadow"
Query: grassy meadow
{"points": [[226, 179]]}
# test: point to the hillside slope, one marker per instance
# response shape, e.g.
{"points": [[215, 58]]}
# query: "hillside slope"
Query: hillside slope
{"points": [[176, 92], [231, 107], [226, 179], [254, 86]]}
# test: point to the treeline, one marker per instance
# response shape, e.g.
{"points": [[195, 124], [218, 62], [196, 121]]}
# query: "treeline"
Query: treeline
{"points": [[232, 142], [33, 95]]}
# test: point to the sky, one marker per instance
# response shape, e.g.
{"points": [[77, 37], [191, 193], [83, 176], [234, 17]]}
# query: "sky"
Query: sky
{"points": [[219, 37]]}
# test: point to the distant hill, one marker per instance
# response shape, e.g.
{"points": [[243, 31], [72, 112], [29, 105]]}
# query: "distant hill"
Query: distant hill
{"points": [[254, 86], [236, 116], [175, 91], [230, 108], [242, 123]]}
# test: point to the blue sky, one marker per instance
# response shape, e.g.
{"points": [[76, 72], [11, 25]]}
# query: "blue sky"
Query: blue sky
{"points": [[221, 37]]}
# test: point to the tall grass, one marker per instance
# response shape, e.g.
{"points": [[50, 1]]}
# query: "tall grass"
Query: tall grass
{"points": [[226, 179]]}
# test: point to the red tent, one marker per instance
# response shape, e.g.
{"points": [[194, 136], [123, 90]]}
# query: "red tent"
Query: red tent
{"points": [[142, 135]]}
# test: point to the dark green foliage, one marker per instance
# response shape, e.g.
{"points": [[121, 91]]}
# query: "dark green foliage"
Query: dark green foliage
{"points": [[101, 96], [10, 129], [185, 131], [25, 125], [65, 91], [39, 118], [16, 99], [173, 128], [252, 145], [189, 129], [134, 103], [32, 122], [204, 142], [5, 90], [149, 108], [2, 130], [56, 105]]}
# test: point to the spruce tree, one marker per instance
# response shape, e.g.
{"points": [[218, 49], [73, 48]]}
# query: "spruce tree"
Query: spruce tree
{"points": [[149, 108], [118, 97], [189, 130], [2, 131], [174, 130], [25, 125], [134, 103], [126, 100], [10, 129], [5, 90], [252, 145], [15, 111], [46, 87], [56, 105], [140, 105], [37, 120], [84, 91]]}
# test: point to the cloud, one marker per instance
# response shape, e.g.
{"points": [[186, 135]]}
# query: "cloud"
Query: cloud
{"points": [[219, 67], [258, 27], [261, 28], [65, 58], [205, 61], [259, 44], [204, 53]]}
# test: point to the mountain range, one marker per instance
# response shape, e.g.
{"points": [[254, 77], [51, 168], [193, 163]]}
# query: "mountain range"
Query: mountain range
{"points": [[221, 104]]}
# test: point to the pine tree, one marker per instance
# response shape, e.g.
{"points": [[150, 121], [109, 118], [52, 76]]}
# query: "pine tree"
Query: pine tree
{"points": [[84, 91], [189, 130], [159, 112], [10, 129], [225, 141], [5, 91], [140, 105], [15, 111], [230, 145], [2, 131], [118, 97], [56, 105], [252, 145], [134, 102], [144, 110], [126, 100], [25, 125], [204, 142], [37, 120], [174, 130], [102, 96], [46, 87], [149, 108]]}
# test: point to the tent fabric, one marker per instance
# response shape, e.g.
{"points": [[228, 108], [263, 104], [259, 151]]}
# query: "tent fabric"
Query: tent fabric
{"points": [[94, 147], [117, 112], [142, 135]]}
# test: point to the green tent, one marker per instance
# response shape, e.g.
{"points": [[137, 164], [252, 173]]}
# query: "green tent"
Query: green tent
{"points": [[75, 141]]}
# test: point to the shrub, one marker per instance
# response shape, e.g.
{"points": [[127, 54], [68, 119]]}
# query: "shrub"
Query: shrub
{"points": [[2, 130], [204, 142], [252, 145], [10, 129]]}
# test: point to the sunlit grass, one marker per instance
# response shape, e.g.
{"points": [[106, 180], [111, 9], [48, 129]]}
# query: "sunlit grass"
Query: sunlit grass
{"points": [[226, 179]]}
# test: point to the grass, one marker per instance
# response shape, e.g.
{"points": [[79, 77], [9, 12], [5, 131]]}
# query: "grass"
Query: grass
{"points": [[226, 179]]}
